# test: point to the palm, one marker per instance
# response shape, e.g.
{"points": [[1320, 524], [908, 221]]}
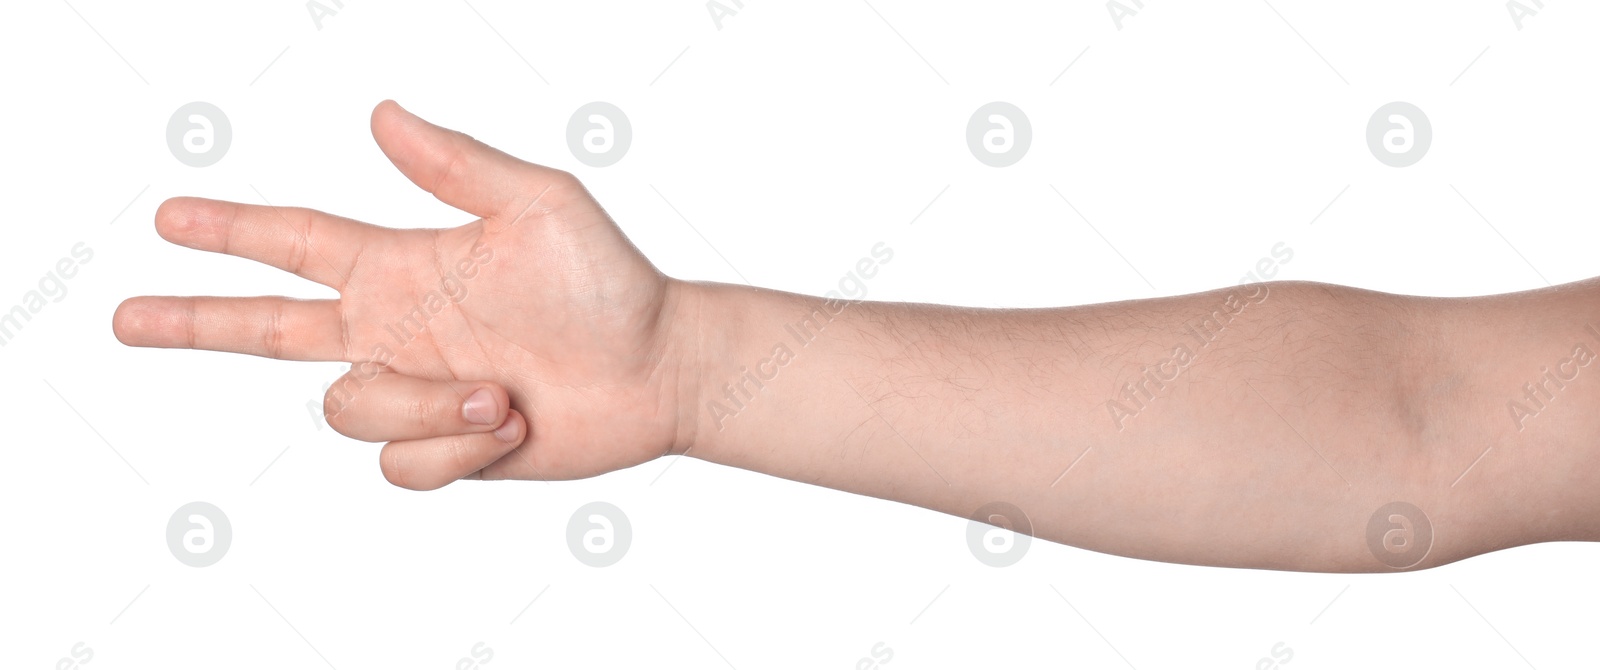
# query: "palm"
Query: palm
{"points": [[574, 337], [543, 295]]}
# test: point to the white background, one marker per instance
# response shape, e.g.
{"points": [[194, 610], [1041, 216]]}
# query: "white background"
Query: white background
{"points": [[796, 136]]}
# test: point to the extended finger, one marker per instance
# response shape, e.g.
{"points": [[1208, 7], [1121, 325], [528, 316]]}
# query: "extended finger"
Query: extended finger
{"points": [[318, 246], [282, 328], [374, 404], [459, 170], [430, 463]]}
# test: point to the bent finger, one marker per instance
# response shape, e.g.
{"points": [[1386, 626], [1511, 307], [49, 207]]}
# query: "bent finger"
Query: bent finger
{"points": [[430, 463], [374, 404]]}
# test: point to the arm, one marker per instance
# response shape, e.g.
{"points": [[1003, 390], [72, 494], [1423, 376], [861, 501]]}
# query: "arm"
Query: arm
{"points": [[1266, 426], [1257, 426]]}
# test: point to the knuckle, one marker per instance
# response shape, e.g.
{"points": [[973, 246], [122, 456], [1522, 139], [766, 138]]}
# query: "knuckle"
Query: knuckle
{"points": [[551, 186], [453, 168], [273, 335], [565, 179], [421, 411], [458, 452]]}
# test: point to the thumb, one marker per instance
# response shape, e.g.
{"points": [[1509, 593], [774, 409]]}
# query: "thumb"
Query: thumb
{"points": [[458, 170]]}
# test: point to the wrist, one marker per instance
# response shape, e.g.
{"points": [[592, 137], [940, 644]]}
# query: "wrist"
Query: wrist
{"points": [[680, 325], [698, 333], [719, 359]]}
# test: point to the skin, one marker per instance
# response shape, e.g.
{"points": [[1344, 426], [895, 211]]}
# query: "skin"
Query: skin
{"points": [[543, 345]]}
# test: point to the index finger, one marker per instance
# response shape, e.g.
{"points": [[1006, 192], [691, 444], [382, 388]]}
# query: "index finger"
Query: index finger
{"points": [[318, 246]]}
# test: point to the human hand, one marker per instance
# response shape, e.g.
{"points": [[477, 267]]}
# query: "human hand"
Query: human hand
{"points": [[533, 343]]}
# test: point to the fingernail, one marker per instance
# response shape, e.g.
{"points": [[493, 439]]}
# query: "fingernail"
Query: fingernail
{"points": [[479, 408], [507, 431]]}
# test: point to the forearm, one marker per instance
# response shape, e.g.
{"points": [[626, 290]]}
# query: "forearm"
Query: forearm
{"points": [[1258, 426]]}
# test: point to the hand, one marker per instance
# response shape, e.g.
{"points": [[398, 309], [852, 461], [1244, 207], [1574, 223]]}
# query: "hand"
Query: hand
{"points": [[542, 304]]}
